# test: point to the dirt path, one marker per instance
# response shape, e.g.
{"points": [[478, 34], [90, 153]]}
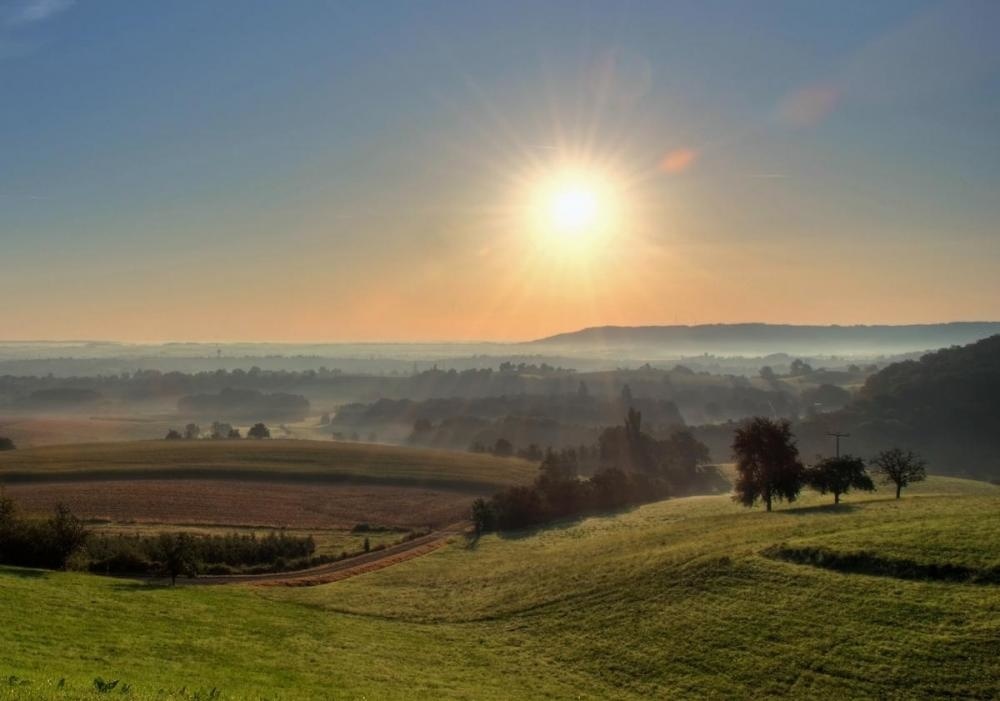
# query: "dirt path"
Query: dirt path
{"points": [[351, 567]]}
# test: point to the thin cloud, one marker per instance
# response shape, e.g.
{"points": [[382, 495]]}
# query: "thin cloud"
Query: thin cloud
{"points": [[679, 160], [34, 11]]}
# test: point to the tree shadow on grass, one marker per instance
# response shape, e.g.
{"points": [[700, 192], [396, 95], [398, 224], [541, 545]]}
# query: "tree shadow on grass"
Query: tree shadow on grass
{"points": [[140, 586], [22, 573], [821, 509], [564, 523]]}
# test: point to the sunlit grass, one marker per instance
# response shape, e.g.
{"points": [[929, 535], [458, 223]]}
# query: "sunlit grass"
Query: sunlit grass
{"points": [[672, 599]]}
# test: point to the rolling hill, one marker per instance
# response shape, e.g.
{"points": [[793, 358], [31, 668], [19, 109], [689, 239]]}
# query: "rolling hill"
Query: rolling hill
{"points": [[270, 460], [681, 598], [761, 339]]}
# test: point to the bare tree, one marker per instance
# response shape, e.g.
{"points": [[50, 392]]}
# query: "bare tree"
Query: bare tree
{"points": [[899, 467]]}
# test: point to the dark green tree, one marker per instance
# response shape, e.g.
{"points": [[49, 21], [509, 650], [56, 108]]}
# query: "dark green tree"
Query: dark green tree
{"points": [[68, 534], [767, 462], [176, 554], [503, 448], [259, 431], [483, 517], [838, 476], [6, 443]]}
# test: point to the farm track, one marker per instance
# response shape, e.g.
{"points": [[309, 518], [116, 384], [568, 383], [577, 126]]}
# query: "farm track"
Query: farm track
{"points": [[344, 569]]}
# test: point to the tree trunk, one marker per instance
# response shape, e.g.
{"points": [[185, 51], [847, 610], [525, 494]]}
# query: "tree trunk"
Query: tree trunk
{"points": [[836, 497], [768, 500], [898, 488]]}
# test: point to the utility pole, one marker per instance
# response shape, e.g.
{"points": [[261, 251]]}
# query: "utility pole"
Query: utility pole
{"points": [[838, 436]]}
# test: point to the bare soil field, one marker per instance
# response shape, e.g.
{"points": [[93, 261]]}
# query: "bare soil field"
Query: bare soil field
{"points": [[28, 430], [246, 503]]}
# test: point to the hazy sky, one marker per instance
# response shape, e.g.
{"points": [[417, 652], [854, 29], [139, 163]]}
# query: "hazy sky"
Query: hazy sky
{"points": [[357, 170]]}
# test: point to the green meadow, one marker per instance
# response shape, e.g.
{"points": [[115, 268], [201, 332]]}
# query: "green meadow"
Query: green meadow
{"points": [[674, 599]]}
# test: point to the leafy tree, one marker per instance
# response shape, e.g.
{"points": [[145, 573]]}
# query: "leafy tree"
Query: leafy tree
{"points": [[221, 430], [7, 514], [176, 554], [173, 435], [234, 434], [839, 476], [899, 467], [561, 466], [767, 462], [800, 367], [192, 432], [626, 395], [68, 534], [6, 443], [482, 516], [259, 431], [503, 448]]}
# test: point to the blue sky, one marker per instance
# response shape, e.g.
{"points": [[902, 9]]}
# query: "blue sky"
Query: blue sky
{"points": [[342, 171]]}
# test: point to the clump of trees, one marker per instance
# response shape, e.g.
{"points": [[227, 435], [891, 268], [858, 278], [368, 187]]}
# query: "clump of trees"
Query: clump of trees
{"points": [[47, 543], [176, 554], [6, 443], [635, 469], [220, 430], [63, 541]]}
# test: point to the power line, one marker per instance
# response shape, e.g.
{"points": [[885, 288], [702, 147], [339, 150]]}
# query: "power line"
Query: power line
{"points": [[838, 436]]}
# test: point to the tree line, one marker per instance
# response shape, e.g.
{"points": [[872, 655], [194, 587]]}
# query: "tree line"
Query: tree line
{"points": [[219, 430], [768, 467], [634, 468], [637, 468], [63, 541]]}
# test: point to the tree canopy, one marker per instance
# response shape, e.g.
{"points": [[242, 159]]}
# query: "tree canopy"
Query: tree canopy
{"points": [[767, 462], [839, 475]]}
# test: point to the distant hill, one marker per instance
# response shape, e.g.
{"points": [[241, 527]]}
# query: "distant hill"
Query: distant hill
{"points": [[760, 339], [945, 406]]}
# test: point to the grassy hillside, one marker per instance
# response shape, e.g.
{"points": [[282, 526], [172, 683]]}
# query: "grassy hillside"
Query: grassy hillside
{"points": [[674, 599], [283, 460]]}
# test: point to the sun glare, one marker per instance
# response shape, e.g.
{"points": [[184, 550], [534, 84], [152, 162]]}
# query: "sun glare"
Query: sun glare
{"points": [[573, 210]]}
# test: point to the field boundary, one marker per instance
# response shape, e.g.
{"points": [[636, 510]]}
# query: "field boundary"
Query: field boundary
{"points": [[343, 569]]}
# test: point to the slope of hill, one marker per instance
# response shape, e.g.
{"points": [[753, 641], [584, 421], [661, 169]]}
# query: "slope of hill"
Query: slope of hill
{"points": [[759, 339], [674, 599], [945, 405], [275, 460]]}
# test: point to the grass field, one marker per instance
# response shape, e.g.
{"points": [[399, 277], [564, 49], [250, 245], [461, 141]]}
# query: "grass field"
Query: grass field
{"points": [[279, 460], [673, 599]]}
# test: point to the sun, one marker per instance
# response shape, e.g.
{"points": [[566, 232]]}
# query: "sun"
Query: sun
{"points": [[574, 210]]}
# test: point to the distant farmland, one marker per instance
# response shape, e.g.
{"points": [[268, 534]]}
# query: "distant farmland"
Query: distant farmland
{"points": [[300, 484], [277, 460]]}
